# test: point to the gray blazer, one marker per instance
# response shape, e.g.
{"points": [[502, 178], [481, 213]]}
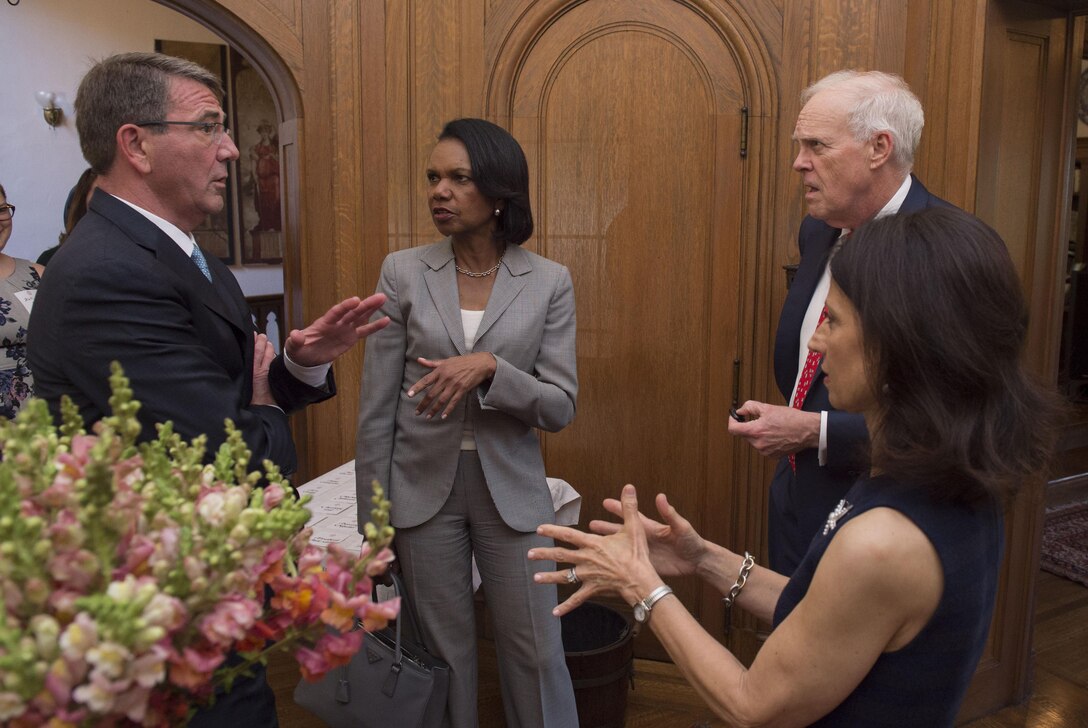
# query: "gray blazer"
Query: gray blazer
{"points": [[529, 327]]}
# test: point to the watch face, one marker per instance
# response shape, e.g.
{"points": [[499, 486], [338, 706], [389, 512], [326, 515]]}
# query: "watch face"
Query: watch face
{"points": [[640, 613]]}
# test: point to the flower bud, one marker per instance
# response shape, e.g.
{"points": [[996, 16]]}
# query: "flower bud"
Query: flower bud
{"points": [[46, 634], [42, 549], [150, 635], [36, 590]]}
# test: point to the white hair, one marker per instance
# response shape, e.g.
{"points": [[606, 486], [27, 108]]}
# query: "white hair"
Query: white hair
{"points": [[878, 102]]}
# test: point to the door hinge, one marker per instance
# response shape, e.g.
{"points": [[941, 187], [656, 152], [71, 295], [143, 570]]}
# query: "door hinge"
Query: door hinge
{"points": [[744, 132]]}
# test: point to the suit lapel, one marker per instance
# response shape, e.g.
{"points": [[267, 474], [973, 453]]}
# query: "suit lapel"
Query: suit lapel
{"points": [[227, 293], [148, 235], [208, 293], [441, 279], [509, 281], [818, 247]]}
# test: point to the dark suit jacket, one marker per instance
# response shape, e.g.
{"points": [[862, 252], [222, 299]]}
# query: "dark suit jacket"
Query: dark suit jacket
{"points": [[801, 502], [121, 289]]}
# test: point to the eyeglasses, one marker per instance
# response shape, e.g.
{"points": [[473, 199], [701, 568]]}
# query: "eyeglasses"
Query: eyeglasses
{"points": [[7, 212], [214, 130]]}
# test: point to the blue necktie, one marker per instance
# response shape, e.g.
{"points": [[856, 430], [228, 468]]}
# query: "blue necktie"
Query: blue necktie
{"points": [[201, 262]]}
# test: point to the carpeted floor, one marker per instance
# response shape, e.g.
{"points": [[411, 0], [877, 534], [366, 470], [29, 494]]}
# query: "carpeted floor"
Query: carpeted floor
{"points": [[1065, 542]]}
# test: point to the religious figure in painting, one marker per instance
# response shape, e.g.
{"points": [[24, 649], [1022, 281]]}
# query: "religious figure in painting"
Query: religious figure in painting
{"points": [[265, 170]]}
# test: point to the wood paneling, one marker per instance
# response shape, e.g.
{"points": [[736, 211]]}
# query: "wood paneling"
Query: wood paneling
{"points": [[1020, 139], [944, 68], [1018, 187], [267, 32], [434, 57]]}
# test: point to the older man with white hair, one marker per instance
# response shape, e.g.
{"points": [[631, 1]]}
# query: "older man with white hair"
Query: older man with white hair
{"points": [[856, 133]]}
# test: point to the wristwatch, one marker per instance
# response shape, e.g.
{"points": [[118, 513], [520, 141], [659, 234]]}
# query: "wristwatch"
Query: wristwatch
{"points": [[642, 609]]}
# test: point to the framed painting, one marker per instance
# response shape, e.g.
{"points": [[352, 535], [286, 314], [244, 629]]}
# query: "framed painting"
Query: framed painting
{"points": [[257, 135]]}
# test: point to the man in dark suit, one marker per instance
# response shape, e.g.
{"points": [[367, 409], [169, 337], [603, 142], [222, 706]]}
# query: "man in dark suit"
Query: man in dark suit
{"points": [[857, 134], [131, 284]]}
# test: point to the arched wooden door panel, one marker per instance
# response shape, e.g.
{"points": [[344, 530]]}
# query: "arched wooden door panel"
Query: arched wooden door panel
{"points": [[631, 118]]}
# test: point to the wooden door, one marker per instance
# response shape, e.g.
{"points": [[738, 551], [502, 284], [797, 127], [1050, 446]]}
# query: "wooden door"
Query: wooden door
{"points": [[1020, 192], [630, 114]]}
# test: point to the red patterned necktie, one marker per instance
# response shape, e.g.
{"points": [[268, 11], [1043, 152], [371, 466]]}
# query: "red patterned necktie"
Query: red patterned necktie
{"points": [[808, 372]]}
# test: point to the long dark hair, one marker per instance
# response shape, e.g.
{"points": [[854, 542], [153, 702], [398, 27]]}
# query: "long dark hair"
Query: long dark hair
{"points": [[500, 172], [944, 323], [76, 206]]}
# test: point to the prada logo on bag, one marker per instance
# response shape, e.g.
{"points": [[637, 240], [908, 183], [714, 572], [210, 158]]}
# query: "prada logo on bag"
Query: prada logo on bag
{"points": [[372, 656]]}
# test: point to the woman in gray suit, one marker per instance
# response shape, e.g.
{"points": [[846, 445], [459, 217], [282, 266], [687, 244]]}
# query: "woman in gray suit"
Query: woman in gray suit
{"points": [[480, 352]]}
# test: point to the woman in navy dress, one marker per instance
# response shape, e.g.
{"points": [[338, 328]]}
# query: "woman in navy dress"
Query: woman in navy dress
{"points": [[884, 621]]}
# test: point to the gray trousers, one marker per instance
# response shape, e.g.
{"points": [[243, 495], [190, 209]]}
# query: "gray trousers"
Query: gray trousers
{"points": [[435, 558]]}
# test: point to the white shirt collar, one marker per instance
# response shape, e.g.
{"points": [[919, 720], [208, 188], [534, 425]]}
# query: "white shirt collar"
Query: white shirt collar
{"points": [[893, 205], [185, 241]]}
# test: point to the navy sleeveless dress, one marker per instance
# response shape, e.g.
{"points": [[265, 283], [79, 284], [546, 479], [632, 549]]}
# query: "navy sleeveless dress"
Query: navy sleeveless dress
{"points": [[923, 683]]}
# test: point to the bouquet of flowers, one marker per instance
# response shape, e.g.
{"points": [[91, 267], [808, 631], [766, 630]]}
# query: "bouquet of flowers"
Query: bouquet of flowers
{"points": [[129, 572]]}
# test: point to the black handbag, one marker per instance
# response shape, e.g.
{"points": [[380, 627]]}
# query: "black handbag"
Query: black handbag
{"points": [[391, 681]]}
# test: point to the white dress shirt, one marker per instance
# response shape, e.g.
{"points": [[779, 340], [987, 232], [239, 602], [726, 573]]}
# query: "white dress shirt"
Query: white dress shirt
{"points": [[816, 306]]}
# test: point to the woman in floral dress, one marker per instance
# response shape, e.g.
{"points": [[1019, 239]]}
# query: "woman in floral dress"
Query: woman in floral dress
{"points": [[18, 283]]}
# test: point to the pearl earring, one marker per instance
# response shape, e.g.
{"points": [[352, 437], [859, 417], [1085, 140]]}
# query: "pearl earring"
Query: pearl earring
{"points": [[497, 212]]}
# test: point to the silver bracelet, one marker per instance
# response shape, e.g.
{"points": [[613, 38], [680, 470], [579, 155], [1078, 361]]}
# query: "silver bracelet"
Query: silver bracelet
{"points": [[742, 579]]}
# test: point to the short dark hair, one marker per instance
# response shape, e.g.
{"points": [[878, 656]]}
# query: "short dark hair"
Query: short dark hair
{"points": [[126, 89], [944, 323], [500, 172]]}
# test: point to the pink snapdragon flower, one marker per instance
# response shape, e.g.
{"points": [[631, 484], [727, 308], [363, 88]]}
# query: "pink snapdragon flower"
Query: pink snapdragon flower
{"points": [[312, 663], [11, 705], [79, 637], [339, 647], [166, 612], [192, 669], [76, 569], [230, 620], [274, 494], [341, 612], [141, 567], [136, 550]]}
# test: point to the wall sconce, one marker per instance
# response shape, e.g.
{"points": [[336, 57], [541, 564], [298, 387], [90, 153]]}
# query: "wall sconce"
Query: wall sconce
{"points": [[52, 113]]}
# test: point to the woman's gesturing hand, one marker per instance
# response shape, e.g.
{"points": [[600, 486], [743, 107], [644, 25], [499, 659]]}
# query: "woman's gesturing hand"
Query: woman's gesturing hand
{"points": [[449, 380], [618, 562], [675, 548]]}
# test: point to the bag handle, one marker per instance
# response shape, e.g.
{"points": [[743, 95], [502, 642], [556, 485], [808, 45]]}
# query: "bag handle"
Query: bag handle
{"points": [[398, 588], [405, 606], [389, 687]]}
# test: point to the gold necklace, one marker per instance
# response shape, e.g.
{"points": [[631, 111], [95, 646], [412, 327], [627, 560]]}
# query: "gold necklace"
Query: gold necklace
{"points": [[474, 274]]}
